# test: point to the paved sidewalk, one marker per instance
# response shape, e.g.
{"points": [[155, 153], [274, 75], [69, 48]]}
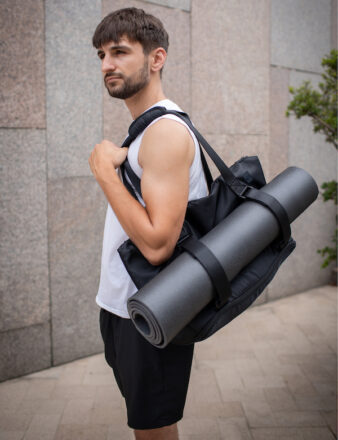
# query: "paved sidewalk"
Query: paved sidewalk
{"points": [[269, 375]]}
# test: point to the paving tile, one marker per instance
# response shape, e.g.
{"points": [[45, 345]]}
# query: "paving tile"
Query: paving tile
{"points": [[108, 394], [11, 435], [213, 409], [331, 420], [14, 421], [316, 434], [80, 432], [74, 392], [258, 413], [107, 413], [234, 428], [276, 434], [77, 412], [264, 381], [299, 385], [201, 426], [299, 418], [40, 388], [42, 427], [317, 403], [99, 379], [228, 379], [280, 399], [42, 406], [203, 382], [12, 394]]}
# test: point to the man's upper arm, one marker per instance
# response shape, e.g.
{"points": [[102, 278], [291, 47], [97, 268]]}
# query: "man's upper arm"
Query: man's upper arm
{"points": [[166, 153]]}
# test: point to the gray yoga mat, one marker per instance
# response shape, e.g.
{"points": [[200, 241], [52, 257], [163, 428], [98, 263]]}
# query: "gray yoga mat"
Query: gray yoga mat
{"points": [[166, 304]]}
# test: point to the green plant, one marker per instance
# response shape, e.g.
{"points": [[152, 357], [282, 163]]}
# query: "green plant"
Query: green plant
{"points": [[321, 107]]}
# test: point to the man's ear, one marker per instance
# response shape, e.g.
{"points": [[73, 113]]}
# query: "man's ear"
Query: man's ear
{"points": [[158, 57]]}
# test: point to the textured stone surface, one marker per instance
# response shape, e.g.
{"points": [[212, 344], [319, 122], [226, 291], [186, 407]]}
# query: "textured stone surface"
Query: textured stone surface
{"points": [[24, 350], [300, 33], [176, 73], [76, 219], [185, 5], [24, 296], [230, 66], [279, 124], [334, 24], [74, 95], [22, 60], [313, 230]]}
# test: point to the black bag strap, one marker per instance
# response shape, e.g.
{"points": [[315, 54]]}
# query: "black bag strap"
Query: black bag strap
{"points": [[208, 260], [241, 189]]}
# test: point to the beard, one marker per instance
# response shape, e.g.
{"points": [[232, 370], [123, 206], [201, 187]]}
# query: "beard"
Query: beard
{"points": [[131, 84]]}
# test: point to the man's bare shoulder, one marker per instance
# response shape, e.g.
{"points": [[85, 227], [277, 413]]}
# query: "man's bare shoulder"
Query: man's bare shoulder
{"points": [[169, 140]]}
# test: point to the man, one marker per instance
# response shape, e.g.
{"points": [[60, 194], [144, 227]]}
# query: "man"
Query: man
{"points": [[132, 46]]}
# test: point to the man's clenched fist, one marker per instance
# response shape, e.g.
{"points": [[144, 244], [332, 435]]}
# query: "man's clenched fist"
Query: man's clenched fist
{"points": [[104, 158]]}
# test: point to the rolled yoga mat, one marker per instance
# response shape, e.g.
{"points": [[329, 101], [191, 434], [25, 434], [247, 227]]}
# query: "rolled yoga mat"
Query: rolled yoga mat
{"points": [[165, 305]]}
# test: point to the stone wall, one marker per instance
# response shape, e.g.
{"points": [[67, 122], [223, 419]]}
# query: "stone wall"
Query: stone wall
{"points": [[230, 64]]}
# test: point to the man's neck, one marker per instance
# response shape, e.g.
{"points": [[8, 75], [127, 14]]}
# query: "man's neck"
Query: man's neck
{"points": [[144, 99]]}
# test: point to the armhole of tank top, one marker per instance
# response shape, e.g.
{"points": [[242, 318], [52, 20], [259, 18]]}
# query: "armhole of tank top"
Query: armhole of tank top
{"points": [[177, 119]]}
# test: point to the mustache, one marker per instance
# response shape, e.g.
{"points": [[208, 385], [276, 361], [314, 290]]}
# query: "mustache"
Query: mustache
{"points": [[112, 75]]}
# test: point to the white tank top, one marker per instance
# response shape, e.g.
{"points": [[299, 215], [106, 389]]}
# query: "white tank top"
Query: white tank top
{"points": [[116, 286]]}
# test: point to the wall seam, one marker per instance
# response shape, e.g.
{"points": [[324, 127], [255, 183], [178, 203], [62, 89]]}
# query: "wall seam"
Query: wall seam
{"points": [[47, 200]]}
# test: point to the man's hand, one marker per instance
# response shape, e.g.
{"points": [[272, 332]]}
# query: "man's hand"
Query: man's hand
{"points": [[104, 158]]}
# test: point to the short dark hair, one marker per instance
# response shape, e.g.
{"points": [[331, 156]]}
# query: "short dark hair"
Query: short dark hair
{"points": [[136, 25]]}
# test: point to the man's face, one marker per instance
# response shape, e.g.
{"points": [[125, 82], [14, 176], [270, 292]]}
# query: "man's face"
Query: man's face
{"points": [[124, 68]]}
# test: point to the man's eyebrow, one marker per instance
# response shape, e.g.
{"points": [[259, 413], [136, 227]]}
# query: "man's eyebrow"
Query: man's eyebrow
{"points": [[115, 47]]}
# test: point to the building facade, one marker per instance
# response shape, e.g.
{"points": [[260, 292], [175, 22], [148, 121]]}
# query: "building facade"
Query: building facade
{"points": [[230, 64]]}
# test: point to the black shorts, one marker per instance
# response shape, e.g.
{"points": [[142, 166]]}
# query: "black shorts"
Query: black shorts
{"points": [[154, 381]]}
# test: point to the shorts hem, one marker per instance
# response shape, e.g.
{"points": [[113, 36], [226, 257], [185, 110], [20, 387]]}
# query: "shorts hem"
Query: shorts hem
{"points": [[159, 424]]}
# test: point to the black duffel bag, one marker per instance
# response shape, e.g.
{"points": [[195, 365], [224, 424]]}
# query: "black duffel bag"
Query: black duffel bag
{"points": [[235, 185]]}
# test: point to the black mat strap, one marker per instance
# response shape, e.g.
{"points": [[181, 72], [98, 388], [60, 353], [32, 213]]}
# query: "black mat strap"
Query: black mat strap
{"points": [[133, 177], [213, 267], [275, 207]]}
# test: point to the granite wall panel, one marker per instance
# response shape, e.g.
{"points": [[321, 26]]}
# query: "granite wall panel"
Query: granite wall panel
{"points": [[24, 296], [185, 5], [24, 350], [22, 64], [230, 66], [334, 13], [74, 94], [176, 73], [76, 218], [279, 124], [300, 33]]}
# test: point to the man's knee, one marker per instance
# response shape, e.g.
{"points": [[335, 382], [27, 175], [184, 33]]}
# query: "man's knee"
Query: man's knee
{"points": [[165, 433]]}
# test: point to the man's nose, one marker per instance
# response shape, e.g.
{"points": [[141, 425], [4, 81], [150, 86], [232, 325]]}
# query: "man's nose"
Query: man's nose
{"points": [[107, 64]]}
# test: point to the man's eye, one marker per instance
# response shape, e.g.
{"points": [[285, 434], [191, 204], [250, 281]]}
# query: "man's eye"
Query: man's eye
{"points": [[120, 52]]}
